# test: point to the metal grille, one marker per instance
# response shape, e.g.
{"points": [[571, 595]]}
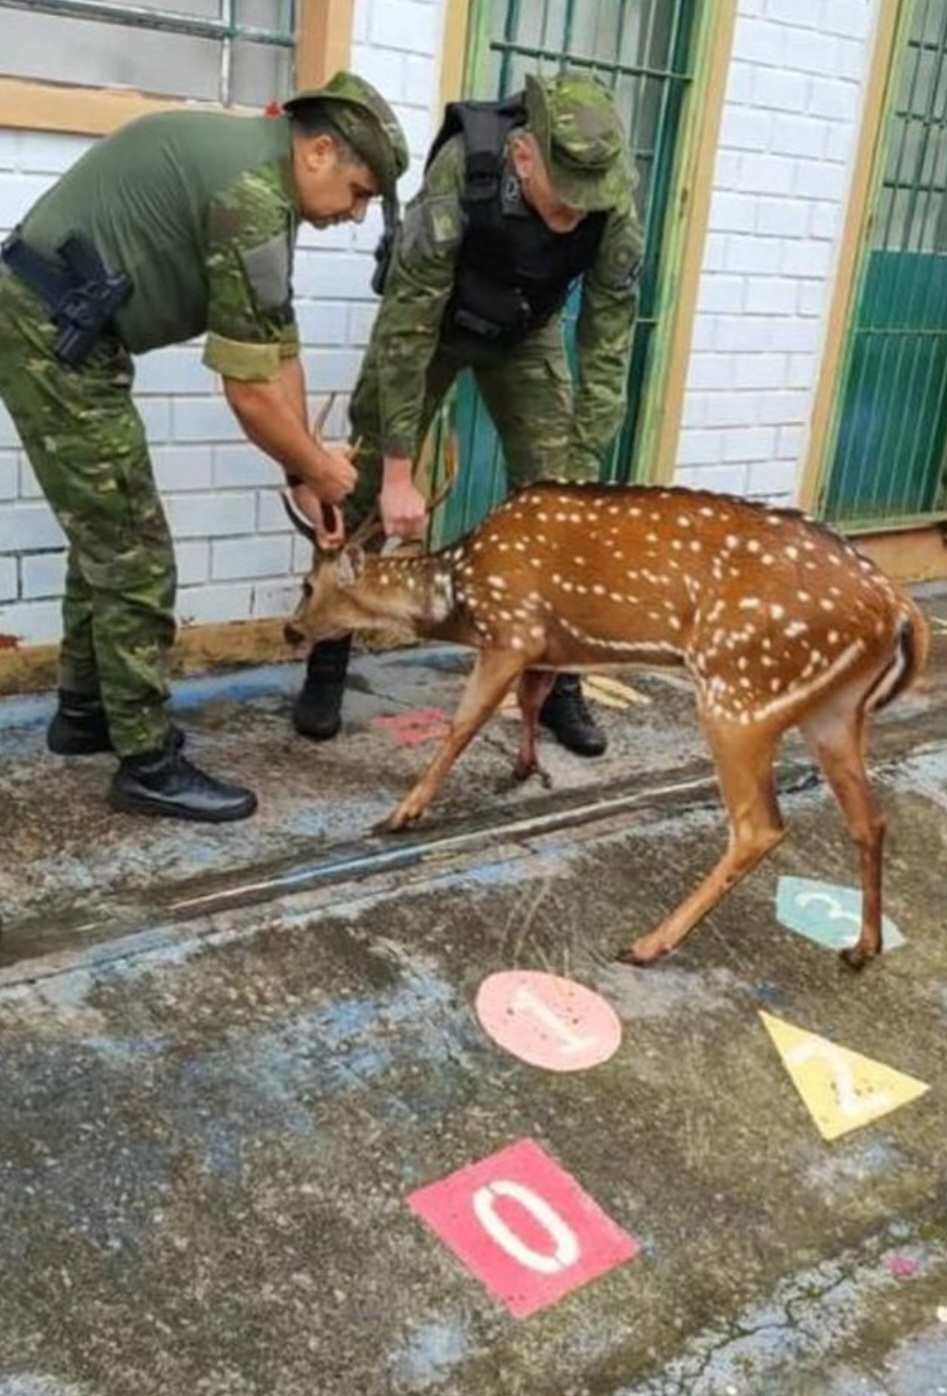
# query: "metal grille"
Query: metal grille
{"points": [[887, 468], [240, 29], [642, 50]]}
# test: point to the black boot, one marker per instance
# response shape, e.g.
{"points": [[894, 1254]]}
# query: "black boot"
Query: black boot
{"points": [[317, 712], [79, 726], [165, 783], [566, 715]]}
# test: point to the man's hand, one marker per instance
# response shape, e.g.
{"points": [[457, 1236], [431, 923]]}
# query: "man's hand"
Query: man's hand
{"points": [[403, 508], [335, 476], [326, 519]]}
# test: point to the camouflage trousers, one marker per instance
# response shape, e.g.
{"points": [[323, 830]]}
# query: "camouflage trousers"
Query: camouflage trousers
{"points": [[86, 444], [527, 389]]}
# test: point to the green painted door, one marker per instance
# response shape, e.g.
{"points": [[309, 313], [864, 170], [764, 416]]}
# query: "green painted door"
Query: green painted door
{"points": [[887, 457], [644, 50]]}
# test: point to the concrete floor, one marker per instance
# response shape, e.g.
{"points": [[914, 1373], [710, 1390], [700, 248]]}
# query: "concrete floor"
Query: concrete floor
{"points": [[228, 1056]]}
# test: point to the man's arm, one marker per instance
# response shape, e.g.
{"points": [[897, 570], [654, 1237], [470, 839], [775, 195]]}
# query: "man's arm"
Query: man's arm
{"points": [[407, 329], [603, 335], [252, 339]]}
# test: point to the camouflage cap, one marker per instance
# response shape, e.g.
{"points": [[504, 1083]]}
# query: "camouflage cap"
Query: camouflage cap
{"points": [[578, 130], [366, 121]]}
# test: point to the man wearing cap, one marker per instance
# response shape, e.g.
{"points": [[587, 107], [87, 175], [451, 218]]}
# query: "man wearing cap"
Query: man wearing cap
{"points": [[519, 199], [178, 224]]}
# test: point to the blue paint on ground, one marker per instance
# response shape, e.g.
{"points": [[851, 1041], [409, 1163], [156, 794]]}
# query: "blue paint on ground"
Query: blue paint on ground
{"points": [[826, 913]]}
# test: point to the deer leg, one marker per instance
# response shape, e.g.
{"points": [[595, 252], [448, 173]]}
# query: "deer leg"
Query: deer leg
{"points": [[533, 689], [744, 761], [836, 741], [491, 677]]}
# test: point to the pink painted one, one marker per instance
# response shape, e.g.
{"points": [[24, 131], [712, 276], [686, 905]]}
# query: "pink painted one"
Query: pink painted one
{"points": [[548, 1021], [524, 1227]]}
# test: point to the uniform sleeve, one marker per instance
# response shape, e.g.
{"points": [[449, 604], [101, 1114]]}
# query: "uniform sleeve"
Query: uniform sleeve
{"points": [[250, 234], [419, 286], [603, 335]]}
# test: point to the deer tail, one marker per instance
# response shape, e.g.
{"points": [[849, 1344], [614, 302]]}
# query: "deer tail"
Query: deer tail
{"points": [[912, 644]]}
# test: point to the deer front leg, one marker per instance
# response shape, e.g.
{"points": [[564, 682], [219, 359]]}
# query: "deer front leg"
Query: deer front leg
{"points": [[744, 760], [492, 676], [533, 690]]}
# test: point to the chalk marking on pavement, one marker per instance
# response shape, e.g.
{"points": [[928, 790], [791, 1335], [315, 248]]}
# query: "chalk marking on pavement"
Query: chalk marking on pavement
{"points": [[547, 1020], [841, 1089], [523, 1226]]}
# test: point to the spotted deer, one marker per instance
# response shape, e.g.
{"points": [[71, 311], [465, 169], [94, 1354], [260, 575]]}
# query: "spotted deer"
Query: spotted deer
{"points": [[779, 622]]}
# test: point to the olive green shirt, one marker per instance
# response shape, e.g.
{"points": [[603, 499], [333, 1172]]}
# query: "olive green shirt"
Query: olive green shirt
{"points": [[409, 321], [198, 208]]}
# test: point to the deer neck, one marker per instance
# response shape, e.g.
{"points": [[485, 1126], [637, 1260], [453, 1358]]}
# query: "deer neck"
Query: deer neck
{"points": [[416, 590]]}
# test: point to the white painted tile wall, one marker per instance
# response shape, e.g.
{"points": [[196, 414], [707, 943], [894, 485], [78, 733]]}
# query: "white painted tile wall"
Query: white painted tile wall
{"points": [[236, 557], [790, 123], [781, 178]]}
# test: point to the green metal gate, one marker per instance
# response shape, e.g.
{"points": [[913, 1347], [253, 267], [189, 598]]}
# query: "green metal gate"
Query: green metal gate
{"points": [[643, 49], [887, 463]]}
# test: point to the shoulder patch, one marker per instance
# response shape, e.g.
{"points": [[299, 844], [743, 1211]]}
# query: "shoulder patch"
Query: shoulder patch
{"points": [[432, 226], [268, 269]]}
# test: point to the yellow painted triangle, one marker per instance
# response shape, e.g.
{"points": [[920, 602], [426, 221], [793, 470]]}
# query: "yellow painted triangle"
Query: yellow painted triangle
{"points": [[841, 1089]]}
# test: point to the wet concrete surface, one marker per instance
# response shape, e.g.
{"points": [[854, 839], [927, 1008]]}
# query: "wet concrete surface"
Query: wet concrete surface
{"points": [[211, 1122]]}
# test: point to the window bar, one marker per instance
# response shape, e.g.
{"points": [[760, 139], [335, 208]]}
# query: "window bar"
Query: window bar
{"points": [[510, 29], [226, 51], [134, 16], [932, 345]]}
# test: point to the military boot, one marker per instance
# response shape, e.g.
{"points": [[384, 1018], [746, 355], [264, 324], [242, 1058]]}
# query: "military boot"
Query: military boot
{"points": [[317, 712], [164, 782], [566, 715], [79, 726]]}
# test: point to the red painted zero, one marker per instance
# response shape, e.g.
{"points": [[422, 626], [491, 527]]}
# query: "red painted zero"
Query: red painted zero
{"points": [[523, 1226]]}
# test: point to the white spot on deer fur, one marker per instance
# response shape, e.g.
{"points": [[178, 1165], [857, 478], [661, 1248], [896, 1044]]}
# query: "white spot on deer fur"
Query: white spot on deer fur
{"points": [[777, 611], [826, 604], [696, 546], [792, 553], [794, 628], [516, 642], [750, 603], [498, 583], [732, 541]]}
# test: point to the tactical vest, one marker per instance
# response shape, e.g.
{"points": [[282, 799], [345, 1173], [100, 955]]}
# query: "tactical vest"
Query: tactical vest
{"points": [[513, 273]]}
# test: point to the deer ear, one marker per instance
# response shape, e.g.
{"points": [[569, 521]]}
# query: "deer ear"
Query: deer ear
{"points": [[351, 566]]}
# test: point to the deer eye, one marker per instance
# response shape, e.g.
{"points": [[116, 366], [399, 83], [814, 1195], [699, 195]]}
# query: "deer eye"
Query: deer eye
{"points": [[307, 589]]}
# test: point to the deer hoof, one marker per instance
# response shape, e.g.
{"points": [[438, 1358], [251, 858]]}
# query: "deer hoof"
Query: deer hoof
{"points": [[854, 957], [632, 955]]}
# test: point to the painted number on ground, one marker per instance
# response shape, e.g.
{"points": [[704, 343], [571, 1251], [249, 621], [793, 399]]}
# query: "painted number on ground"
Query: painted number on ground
{"points": [[523, 1226], [548, 1021], [419, 725], [828, 914], [842, 1090]]}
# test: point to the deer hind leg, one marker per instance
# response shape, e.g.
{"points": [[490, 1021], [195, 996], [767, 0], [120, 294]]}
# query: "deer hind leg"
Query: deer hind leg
{"points": [[836, 740], [744, 759], [492, 676], [532, 692]]}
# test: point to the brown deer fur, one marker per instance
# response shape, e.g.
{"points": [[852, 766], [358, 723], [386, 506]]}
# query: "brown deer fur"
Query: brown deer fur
{"points": [[779, 621]]}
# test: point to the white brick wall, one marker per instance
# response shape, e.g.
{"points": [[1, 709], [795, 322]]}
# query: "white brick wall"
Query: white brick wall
{"points": [[237, 557], [781, 177]]}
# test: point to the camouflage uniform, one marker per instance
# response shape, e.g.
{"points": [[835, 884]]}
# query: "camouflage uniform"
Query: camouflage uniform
{"points": [[547, 426], [200, 210]]}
